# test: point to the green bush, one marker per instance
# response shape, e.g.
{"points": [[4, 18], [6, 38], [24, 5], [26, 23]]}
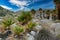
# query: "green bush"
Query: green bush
{"points": [[18, 30], [58, 35], [31, 25], [24, 17], [6, 22], [57, 21]]}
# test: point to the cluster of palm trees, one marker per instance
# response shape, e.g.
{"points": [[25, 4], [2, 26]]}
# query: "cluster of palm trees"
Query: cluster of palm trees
{"points": [[57, 3], [46, 12]]}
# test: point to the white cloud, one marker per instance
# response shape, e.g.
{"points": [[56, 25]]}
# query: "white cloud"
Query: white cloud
{"points": [[27, 9], [20, 4], [22, 7], [6, 7]]}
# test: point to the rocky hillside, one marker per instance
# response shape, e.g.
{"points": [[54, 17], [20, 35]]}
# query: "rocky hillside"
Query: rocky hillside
{"points": [[4, 12]]}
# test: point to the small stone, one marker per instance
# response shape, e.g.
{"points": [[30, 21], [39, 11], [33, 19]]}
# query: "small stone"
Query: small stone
{"points": [[0, 38], [33, 33]]}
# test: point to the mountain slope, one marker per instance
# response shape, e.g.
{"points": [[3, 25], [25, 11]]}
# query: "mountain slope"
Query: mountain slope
{"points": [[4, 12]]}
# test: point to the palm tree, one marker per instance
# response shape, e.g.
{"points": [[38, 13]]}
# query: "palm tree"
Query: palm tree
{"points": [[48, 13], [40, 10], [54, 12], [57, 3], [33, 11]]}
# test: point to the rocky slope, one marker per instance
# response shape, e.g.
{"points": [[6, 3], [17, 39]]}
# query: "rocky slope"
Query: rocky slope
{"points": [[4, 12]]}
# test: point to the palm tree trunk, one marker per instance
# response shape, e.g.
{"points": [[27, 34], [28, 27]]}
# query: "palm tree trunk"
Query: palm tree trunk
{"points": [[58, 9], [59, 14]]}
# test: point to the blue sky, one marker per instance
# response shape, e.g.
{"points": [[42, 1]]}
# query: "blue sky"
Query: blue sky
{"points": [[16, 5]]}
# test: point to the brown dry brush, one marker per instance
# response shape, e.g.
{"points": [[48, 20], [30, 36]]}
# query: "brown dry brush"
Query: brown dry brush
{"points": [[45, 34]]}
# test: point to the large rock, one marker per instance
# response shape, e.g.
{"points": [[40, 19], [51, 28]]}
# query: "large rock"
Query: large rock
{"points": [[56, 28], [33, 33], [30, 37]]}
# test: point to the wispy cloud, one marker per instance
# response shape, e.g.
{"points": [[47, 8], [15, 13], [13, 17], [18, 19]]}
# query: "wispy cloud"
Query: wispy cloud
{"points": [[6, 7], [18, 3], [22, 4]]}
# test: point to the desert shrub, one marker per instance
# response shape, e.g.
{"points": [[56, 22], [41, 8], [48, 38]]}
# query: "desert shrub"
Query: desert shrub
{"points": [[6, 22], [57, 21], [58, 37], [17, 30], [24, 17], [31, 25]]}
